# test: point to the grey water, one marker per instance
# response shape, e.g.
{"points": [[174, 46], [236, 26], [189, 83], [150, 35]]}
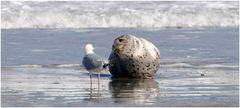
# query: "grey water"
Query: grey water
{"points": [[66, 46], [42, 67]]}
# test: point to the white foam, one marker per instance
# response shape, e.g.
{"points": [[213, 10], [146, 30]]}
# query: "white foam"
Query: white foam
{"points": [[205, 66], [162, 65], [46, 65], [39, 50], [30, 66], [68, 65], [118, 14]]}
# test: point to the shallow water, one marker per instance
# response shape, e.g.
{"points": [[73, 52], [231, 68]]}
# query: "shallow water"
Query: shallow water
{"points": [[42, 67], [71, 87], [66, 46]]}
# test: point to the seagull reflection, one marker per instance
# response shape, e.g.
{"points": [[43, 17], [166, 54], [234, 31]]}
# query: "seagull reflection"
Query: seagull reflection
{"points": [[94, 89], [134, 91], [94, 92]]}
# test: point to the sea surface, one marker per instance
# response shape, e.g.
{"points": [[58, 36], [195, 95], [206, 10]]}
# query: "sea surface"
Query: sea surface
{"points": [[200, 46], [42, 46]]}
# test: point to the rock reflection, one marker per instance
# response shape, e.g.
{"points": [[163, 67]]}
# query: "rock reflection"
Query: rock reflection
{"points": [[134, 91]]}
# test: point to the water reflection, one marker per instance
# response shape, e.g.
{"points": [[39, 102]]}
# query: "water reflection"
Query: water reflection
{"points": [[134, 91], [94, 92]]}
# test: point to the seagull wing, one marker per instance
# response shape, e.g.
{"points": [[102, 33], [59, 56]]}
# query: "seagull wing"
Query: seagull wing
{"points": [[92, 62]]}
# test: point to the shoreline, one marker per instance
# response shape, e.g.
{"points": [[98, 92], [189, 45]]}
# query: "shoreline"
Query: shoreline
{"points": [[67, 87]]}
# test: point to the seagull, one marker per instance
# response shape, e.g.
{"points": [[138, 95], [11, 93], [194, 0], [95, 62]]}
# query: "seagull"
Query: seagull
{"points": [[92, 62]]}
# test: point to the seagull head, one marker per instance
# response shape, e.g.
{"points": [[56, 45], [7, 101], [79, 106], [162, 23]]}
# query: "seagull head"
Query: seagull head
{"points": [[89, 49]]}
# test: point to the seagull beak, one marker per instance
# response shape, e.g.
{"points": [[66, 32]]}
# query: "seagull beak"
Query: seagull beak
{"points": [[94, 49]]}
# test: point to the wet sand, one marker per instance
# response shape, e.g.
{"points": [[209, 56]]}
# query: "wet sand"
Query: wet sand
{"points": [[66, 87]]}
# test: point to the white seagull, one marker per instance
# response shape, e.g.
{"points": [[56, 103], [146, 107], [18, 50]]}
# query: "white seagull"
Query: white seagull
{"points": [[93, 62]]}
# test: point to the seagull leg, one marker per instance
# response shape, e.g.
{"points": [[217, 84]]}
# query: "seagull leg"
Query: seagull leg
{"points": [[90, 84], [98, 82]]}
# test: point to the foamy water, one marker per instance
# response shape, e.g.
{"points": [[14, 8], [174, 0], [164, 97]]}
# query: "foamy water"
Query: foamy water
{"points": [[118, 14]]}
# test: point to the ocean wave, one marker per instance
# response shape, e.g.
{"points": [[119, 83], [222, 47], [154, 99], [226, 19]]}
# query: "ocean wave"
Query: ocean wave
{"points": [[118, 14], [47, 66], [205, 66], [162, 65]]}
